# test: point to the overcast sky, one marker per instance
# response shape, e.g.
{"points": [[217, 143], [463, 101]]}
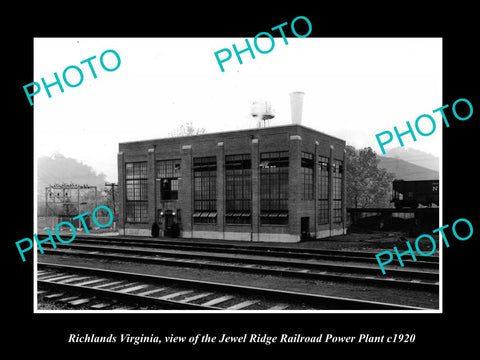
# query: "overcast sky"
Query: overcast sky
{"points": [[354, 89]]}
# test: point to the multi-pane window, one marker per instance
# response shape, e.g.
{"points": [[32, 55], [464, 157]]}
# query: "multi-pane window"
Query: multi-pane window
{"points": [[168, 168], [167, 174], [205, 187], [307, 175], [136, 186], [274, 188], [323, 170], [337, 169], [238, 190]]}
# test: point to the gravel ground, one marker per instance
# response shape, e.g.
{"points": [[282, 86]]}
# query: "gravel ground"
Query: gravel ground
{"points": [[350, 290], [375, 241]]}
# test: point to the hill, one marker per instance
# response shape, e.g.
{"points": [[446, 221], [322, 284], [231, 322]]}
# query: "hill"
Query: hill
{"points": [[406, 170], [416, 157], [60, 169]]}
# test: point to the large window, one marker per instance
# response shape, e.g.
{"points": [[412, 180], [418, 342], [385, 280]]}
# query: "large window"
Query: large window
{"points": [[205, 186], [307, 175], [337, 190], [323, 170], [167, 174], [136, 192], [238, 190], [274, 188]]}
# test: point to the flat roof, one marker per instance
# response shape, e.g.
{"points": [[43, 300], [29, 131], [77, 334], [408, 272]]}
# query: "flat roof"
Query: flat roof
{"points": [[242, 131]]}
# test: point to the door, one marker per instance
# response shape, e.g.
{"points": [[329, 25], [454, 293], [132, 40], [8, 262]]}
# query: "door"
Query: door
{"points": [[304, 228], [171, 226], [169, 220]]}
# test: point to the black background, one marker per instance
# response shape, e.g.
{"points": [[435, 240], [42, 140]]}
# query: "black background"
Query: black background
{"points": [[43, 335]]}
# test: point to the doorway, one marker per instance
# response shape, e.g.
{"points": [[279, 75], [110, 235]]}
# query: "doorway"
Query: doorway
{"points": [[304, 228], [171, 226]]}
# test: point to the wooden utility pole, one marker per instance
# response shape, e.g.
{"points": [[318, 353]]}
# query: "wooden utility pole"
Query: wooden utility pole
{"points": [[112, 185]]}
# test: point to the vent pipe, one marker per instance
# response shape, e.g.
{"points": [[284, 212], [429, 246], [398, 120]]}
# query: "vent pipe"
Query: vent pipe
{"points": [[296, 104]]}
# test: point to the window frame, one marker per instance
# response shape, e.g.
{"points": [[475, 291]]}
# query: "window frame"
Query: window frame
{"points": [[307, 174], [167, 173], [238, 189], [274, 178], [204, 190], [323, 196], [337, 193], [136, 192]]}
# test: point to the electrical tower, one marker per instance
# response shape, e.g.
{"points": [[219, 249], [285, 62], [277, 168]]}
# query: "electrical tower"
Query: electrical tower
{"points": [[69, 200]]}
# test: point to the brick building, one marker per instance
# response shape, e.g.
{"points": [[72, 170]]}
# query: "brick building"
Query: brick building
{"points": [[280, 183]]}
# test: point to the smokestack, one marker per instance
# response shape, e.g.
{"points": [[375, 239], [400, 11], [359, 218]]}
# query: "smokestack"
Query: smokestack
{"points": [[296, 104]]}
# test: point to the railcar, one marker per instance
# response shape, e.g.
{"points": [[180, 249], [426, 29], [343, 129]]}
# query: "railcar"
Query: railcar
{"points": [[411, 194]]}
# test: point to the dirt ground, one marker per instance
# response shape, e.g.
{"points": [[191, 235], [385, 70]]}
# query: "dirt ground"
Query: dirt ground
{"points": [[375, 241], [367, 240], [409, 297]]}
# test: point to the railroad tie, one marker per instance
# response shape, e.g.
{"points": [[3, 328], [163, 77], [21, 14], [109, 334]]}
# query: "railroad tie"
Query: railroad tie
{"points": [[242, 305], [74, 279], [61, 277], [54, 296], [150, 292], [67, 299], [217, 300], [130, 289], [108, 284], [50, 276], [80, 301], [278, 307], [100, 306], [89, 282], [171, 296], [133, 307], [122, 285], [195, 297]]}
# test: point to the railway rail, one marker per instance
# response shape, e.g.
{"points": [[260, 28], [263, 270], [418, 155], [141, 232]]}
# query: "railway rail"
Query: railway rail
{"points": [[287, 265], [264, 250], [97, 288]]}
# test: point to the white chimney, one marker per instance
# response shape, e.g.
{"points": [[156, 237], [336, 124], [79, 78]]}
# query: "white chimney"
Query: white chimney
{"points": [[296, 104]]}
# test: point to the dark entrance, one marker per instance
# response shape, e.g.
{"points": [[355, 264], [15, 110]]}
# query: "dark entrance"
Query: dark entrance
{"points": [[171, 226], [304, 228]]}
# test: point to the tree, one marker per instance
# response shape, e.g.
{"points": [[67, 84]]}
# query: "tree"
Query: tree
{"points": [[186, 129], [367, 184]]}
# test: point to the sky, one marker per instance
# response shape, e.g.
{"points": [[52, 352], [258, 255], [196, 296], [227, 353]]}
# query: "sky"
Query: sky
{"points": [[354, 89]]}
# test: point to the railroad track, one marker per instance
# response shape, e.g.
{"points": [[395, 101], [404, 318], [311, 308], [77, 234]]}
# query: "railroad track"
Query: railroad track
{"points": [[101, 289], [250, 249], [424, 280]]}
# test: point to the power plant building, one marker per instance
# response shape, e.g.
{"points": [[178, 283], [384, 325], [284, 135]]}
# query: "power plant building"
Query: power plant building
{"points": [[276, 184]]}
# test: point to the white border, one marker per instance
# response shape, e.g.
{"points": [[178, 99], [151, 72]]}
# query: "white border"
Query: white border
{"points": [[426, 311]]}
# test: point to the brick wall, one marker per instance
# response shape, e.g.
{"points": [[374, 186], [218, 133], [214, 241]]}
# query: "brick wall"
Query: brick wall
{"points": [[291, 138]]}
